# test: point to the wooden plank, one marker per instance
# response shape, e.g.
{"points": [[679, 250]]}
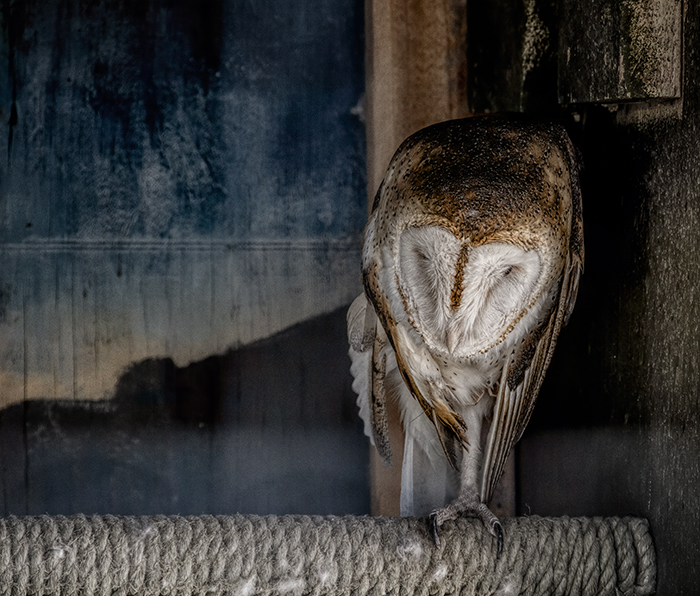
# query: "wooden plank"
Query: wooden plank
{"points": [[14, 486], [416, 71], [631, 51]]}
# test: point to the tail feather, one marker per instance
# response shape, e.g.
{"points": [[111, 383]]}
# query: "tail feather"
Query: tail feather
{"points": [[426, 483]]}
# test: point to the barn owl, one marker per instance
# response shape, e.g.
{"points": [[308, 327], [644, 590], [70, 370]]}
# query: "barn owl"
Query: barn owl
{"points": [[470, 266]]}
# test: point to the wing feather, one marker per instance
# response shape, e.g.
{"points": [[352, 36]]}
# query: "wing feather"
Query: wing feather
{"points": [[362, 324], [514, 404], [450, 426], [368, 354], [377, 410]]}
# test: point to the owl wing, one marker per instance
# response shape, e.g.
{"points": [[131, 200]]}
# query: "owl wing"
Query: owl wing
{"points": [[522, 377], [369, 352]]}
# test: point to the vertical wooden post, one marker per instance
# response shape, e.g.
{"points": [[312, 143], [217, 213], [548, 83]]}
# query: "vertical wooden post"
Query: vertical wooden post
{"points": [[416, 72], [416, 76]]}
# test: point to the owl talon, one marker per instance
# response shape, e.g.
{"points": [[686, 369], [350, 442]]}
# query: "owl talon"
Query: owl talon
{"points": [[493, 525], [434, 529], [468, 505], [498, 530]]}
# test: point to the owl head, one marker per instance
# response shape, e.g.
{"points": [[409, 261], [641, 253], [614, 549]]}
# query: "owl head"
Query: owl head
{"points": [[471, 229]]}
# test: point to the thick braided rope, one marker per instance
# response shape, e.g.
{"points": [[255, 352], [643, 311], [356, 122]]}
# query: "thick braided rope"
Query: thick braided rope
{"points": [[250, 555]]}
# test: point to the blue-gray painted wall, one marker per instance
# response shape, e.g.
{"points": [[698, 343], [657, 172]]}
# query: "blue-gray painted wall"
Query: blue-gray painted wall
{"points": [[182, 195]]}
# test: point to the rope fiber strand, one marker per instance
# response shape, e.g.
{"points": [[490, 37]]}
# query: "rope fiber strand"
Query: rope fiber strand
{"points": [[251, 555]]}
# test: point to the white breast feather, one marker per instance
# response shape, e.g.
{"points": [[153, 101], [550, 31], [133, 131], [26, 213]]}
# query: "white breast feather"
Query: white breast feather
{"points": [[454, 353]]}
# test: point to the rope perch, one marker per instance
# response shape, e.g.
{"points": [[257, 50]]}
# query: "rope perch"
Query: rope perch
{"points": [[293, 555]]}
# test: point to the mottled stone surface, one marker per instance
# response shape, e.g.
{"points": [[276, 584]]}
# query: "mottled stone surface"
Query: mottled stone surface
{"points": [[512, 55], [618, 51]]}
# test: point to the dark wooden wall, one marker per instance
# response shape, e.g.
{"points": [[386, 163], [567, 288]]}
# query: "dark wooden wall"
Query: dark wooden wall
{"points": [[616, 429], [182, 195]]}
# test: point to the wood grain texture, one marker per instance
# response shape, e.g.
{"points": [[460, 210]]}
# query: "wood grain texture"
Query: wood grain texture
{"points": [[416, 73]]}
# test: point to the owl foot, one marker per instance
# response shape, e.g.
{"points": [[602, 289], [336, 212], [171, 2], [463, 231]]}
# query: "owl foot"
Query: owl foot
{"points": [[470, 507]]}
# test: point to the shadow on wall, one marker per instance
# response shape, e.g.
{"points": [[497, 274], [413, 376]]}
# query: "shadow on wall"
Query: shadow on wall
{"points": [[269, 428]]}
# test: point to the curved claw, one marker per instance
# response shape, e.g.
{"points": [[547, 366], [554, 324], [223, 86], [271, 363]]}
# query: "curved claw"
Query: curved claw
{"points": [[434, 528], [498, 530], [481, 511]]}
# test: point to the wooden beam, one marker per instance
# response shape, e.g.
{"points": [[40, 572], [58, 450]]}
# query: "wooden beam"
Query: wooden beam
{"points": [[416, 72], [416, 76]]}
